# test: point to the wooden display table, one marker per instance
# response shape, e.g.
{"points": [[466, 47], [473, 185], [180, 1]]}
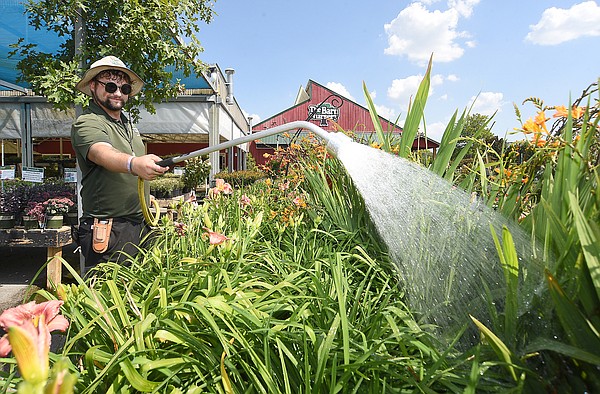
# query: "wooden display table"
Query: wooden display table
{"points": [[52, 239]]}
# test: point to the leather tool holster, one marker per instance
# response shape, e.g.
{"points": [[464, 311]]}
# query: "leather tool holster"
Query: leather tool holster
{"points": [[101, 234]]}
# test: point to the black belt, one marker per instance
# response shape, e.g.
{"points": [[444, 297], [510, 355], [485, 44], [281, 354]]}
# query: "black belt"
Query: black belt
{"points": [[90, 221]]}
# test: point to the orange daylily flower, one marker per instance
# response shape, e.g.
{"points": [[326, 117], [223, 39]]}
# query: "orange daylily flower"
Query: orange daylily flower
{"points": [[540, 120], [561, 112], [536, 125], [577, 112], [530, 127], [507, 172]]}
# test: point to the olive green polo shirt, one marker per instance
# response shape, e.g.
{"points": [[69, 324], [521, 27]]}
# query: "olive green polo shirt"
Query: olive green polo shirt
{"points": [[107, 194]]}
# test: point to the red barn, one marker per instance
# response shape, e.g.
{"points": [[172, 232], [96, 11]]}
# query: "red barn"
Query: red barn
{"points": [[321, 106]]}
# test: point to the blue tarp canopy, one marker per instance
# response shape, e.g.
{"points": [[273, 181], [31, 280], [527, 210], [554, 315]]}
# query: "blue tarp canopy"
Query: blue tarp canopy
{"points": [[14, 24]]}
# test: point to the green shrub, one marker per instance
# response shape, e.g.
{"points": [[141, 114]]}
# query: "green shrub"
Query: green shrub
{"points": [[195, 173], [165, 186], [241, 178]]}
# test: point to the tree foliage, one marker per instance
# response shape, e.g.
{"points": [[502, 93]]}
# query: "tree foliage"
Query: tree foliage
{"points": [[155, 38], [477, 128]]}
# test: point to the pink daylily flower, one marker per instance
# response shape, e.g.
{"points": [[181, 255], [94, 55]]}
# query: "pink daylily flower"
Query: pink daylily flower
{"points": [[215, 238], [28, 329], [245, 200], [299, 202], [283, 186], [222, 187], [29, 315]]}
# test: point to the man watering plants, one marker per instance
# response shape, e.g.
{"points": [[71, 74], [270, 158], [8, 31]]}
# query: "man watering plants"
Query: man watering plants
{"points": [[111, 155]]}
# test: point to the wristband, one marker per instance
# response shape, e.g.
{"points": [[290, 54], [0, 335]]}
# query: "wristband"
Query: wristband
{"points": [[129, 164]]}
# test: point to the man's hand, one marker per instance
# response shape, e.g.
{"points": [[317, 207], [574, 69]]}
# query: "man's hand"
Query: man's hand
{"points": [[146, 168]]}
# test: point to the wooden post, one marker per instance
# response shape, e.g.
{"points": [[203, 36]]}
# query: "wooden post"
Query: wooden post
{"points": [[54, 269]]}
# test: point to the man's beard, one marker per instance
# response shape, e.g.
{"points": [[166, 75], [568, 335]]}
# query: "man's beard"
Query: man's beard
{"points": [[115, 105]]}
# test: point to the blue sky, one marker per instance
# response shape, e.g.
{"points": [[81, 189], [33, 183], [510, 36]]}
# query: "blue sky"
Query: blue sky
{"points": [[503, 51]]}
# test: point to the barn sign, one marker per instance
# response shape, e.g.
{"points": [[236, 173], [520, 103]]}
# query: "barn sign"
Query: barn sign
{"points": [[323, 112]]}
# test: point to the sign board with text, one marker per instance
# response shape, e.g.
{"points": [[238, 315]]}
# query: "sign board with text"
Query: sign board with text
{"points": [[7, 172], [70, 175], [33, 174]]}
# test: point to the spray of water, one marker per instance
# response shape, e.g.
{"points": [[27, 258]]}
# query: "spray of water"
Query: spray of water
{"points": [[438, 236]]}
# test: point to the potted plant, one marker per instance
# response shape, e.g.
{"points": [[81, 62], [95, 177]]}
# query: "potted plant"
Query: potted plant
{"points": [[9, 208], [34, 216], [55, 209]]}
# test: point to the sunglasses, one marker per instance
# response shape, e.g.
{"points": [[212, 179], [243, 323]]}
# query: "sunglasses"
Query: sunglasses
{"points": [[112, 87]]}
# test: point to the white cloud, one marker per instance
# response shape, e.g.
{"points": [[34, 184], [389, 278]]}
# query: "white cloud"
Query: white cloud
{"points": [[452, 78], [255, 117], [435, 131], [401, 90], [386, 112], [464, 7], [417, 32], [558, 25], [486, 103], [436, 79], [340, 89]]}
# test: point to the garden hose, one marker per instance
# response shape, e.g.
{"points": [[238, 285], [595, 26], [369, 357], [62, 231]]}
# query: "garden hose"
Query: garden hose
{"points": [[152, 221]]}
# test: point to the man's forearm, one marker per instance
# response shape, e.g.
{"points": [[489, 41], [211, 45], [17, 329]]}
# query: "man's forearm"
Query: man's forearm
{"points": [[110, 158]]}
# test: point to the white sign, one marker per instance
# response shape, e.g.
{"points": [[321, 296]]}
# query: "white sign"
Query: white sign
{"points": [[323, 112], [33, 174], [178, 171], [70, 175], [7, 172]]}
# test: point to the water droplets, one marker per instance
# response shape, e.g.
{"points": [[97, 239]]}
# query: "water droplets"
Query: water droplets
{"points": [[438, 235]]}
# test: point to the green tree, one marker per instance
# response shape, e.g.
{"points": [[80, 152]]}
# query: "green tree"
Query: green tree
{"points": [[477, 129], [154, 38]]}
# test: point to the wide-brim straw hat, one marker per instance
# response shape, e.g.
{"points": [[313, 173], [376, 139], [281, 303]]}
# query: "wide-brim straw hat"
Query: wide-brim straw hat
{"points": [[109, 63]]}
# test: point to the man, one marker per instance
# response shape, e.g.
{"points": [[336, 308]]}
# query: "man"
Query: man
{"points": [[111, 155]]}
